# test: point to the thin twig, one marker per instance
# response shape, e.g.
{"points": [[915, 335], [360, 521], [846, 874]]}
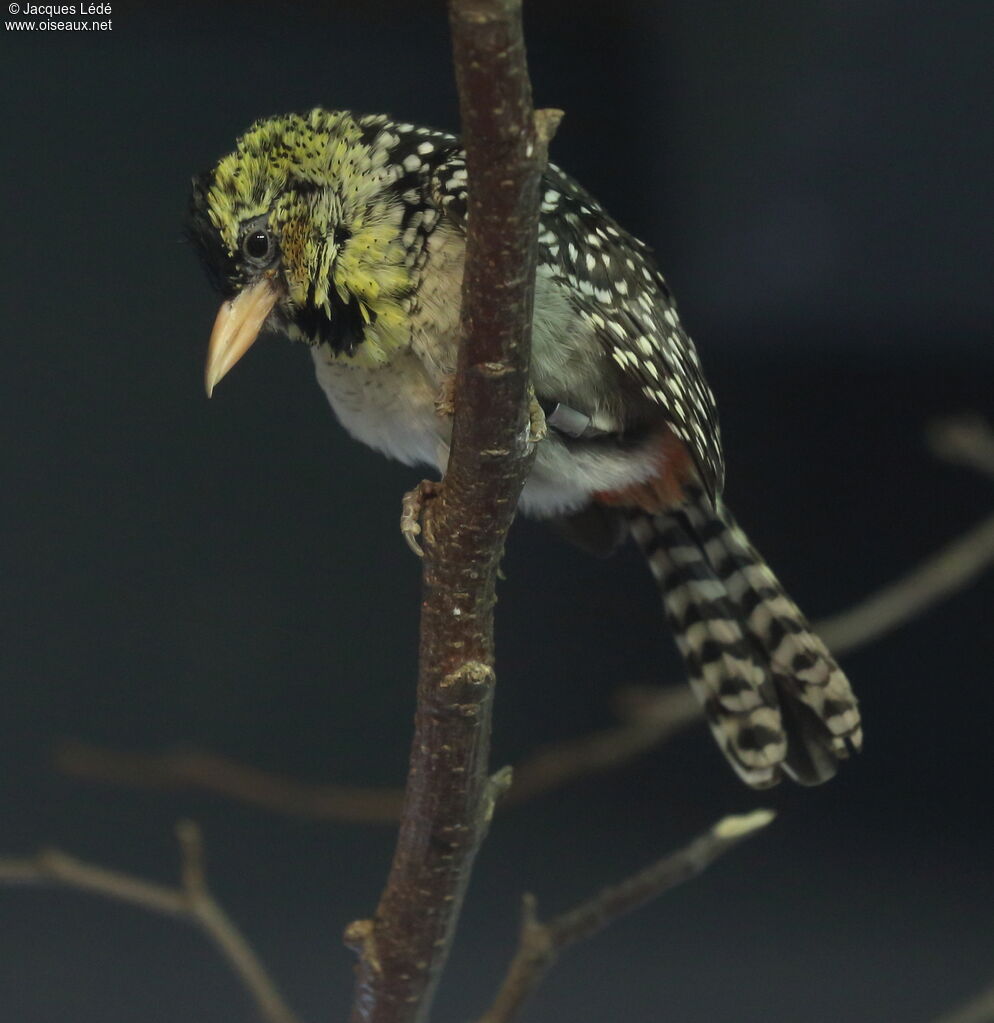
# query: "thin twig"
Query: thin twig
{"points": [[654, 720], [645, 726], [449, 796], [969, 441], [54, 866], [540, 944], [936, 578], [209, 772], [963, 440], [192, 901], [977, 1010]]}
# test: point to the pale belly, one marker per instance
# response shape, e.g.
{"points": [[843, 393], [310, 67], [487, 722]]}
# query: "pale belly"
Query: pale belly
{"points": [[392, 409]]}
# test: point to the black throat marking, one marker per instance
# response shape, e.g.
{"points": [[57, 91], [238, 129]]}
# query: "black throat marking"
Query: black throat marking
{"points": [[343, 331]]}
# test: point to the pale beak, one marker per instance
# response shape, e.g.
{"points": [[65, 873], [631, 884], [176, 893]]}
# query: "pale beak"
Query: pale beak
{"points": [[237, 326]]}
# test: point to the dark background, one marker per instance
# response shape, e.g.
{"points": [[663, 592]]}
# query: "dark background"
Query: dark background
{"points": [[816, 180]]}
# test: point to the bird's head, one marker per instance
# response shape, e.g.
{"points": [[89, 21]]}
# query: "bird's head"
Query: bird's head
{"points": [[300, 229]]}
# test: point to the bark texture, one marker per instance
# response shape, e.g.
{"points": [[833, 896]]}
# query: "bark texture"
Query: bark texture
{"points": [[449, 796]]}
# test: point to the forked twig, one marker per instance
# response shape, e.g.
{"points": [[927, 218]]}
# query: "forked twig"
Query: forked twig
{"points": [[191, 900], [540, 944]]}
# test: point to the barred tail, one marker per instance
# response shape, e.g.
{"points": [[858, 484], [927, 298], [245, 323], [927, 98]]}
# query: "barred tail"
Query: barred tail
{"points": [[774, 697]]}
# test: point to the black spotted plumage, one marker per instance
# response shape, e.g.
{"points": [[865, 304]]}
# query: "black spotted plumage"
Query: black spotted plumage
{"points": [[634, 447], [615, 285]]}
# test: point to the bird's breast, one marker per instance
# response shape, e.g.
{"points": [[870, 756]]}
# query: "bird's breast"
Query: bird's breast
{"points": [[391, 407]]}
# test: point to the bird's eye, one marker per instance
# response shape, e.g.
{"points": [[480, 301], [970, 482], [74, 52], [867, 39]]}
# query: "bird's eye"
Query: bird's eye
{"points": [[257, 246]]}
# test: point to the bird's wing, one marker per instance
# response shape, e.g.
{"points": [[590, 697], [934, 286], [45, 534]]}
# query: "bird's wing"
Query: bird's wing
{"points": [[615, 286]]}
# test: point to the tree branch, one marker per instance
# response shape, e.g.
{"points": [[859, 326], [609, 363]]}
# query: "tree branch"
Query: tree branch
{"points": [[449, 796], [192, 901], [539, 944]]}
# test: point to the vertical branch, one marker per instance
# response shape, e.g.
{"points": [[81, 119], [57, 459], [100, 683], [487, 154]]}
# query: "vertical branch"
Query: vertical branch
{"points": [[449, 796]]}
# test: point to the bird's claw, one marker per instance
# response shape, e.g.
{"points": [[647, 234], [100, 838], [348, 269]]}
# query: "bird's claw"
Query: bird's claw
{"points": [[415, 515], [445, 399], [536, 419]]}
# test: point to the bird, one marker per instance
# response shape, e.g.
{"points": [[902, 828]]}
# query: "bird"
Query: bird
{"points": [[347, 233]]}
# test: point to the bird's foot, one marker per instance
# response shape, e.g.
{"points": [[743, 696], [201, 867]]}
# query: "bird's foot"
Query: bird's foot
{"points": [[536, 418], [446, 398], [415, 514]]}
